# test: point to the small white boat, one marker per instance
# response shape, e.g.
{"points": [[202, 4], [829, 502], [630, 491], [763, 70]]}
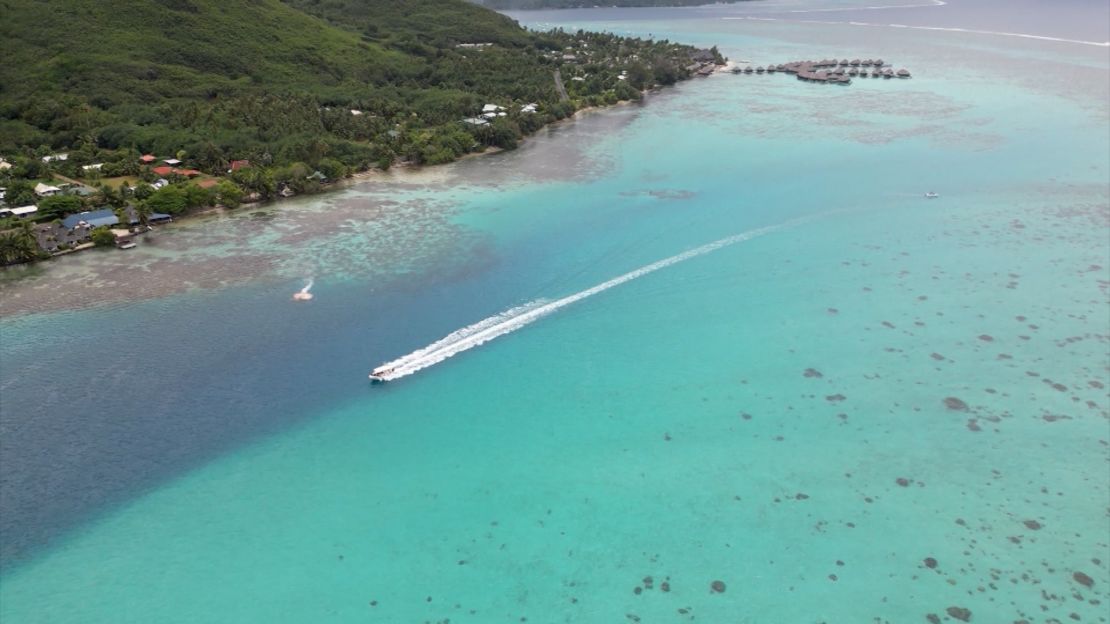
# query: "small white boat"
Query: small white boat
{"points": [[931, 195], [303, 294], [378, 374], [126, 245]]}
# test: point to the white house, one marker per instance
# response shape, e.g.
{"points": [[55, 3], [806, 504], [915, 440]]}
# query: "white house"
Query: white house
{"points": [[53, 157], [173, 162], [92, 167], [18, 212], [356, 112], [492, 108], [476, 121], [528, 108], [44, 190], [4, 165], [159, 183]]}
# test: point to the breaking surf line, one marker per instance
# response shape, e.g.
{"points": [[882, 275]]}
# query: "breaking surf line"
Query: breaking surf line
{"points": [[972, 31]]}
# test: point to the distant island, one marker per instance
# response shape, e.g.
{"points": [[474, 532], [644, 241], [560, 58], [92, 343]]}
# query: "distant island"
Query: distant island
{"points": [[503, 5], [158, 107]]}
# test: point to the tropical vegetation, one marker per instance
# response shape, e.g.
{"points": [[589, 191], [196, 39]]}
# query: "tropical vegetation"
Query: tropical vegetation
{"points": [[357, 82], [297, 91]]}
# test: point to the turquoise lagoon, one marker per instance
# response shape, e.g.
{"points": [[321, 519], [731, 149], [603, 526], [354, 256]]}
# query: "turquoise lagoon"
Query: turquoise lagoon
{"points": [[807, 416]]}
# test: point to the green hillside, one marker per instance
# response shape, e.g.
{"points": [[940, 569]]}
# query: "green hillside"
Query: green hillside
{"points": [[436, 21], [276, 81]]}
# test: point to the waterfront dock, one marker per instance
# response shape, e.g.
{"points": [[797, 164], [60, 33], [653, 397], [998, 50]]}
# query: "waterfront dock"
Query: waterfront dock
{"points": [[829, 71]]}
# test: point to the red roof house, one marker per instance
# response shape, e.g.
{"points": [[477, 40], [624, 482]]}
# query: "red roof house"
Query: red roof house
{"points": [[207, 183], [236, 165], [165, 171], [147, 158]]}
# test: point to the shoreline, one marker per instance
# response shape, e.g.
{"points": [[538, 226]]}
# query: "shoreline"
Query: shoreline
{"points": [[20, 282], [27, 288], [408, 169]]}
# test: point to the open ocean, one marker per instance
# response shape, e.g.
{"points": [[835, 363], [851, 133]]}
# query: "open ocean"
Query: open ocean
{"points": [[859, 406]]}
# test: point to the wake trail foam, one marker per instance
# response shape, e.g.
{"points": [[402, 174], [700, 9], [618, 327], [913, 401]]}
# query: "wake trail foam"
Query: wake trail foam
{"points": [[515, 318]]}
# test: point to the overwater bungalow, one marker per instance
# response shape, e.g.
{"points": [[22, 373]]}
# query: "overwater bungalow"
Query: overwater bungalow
{"points": [[831, 71]]}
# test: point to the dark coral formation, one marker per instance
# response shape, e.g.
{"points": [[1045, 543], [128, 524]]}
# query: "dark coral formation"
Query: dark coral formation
{"points": [[953, 403], [960, 613]]}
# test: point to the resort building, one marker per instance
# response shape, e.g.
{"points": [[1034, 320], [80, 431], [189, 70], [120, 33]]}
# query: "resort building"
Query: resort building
{"points": [[20, 212], [45, 190]]}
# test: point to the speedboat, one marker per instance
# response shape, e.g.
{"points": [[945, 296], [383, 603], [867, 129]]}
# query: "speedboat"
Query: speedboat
{"points": [[931, 195], [378, 375]]}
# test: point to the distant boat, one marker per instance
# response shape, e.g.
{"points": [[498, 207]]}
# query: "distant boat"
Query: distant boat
{"points": [[303, 294], [931, 195]]}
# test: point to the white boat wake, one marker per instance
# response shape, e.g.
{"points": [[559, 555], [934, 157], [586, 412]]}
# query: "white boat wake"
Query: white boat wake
{"points": [[513, 319]]}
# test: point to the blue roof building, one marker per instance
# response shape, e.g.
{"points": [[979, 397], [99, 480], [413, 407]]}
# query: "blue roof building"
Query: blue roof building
{"points": [[95, 218]]}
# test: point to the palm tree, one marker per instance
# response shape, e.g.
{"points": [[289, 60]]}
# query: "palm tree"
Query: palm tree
{"points": [[19, 245], [143, 212], [9, 247]]}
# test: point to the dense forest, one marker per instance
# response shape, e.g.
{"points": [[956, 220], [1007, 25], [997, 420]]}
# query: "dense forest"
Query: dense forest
{"points": [[276, 82], [581, 4]]}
